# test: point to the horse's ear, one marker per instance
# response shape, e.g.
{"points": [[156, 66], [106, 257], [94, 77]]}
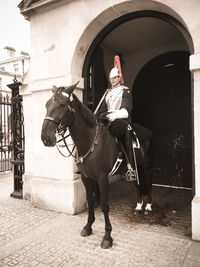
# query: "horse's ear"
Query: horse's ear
{"points": [[54, 88], [70, 89]]}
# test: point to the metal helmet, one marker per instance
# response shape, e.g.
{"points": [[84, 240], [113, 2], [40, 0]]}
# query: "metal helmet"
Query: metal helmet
{"points": [[114, 73]]}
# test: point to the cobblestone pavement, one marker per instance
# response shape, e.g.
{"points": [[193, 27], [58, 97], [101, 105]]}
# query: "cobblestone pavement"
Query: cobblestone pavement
{"points": [[30, 236]]}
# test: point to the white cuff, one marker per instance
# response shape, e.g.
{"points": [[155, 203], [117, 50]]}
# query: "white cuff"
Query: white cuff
{"points": [[118, 114], [121, 114]]}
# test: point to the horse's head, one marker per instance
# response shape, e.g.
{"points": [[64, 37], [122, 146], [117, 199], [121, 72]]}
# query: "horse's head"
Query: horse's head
{"points": [[59, 111]]}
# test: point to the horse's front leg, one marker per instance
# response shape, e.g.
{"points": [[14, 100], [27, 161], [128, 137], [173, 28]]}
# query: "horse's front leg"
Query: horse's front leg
{"points": [[90, 189], [104, 190]]}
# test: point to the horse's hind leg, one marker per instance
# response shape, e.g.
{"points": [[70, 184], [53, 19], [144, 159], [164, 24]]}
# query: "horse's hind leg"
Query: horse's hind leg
{"points": [[148, 207], [148, 174], [90, 188], [139, 200], [104, 189]]}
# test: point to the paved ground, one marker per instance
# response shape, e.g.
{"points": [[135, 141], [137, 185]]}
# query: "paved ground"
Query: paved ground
{"points": [[33, 237]]}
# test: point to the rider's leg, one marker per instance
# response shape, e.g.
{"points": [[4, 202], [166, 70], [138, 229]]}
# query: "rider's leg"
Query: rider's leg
{"points": [[124, 133], [127, 145]]}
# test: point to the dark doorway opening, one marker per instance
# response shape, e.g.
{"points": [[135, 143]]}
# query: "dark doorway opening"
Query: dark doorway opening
{"points": [[162, 102], [96, 81]]}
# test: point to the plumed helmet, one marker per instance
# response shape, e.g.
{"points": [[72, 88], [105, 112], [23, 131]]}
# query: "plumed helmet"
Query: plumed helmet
{"points": [[114, 72], [117, 70]]}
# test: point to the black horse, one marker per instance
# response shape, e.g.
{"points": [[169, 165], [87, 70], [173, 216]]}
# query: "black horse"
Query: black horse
{"points": [[97, 152]]}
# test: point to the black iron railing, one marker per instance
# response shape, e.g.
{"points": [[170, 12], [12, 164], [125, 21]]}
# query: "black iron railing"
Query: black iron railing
{"points": [[5, 133]]}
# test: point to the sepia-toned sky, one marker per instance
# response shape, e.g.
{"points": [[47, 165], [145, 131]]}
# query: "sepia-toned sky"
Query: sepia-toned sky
{"points": [[14, 28]]}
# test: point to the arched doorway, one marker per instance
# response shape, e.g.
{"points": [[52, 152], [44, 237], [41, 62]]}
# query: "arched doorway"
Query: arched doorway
{"points": [[161, 34], [162, 102]]}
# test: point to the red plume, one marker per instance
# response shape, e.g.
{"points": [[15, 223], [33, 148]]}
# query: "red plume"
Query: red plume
{"points": [[118, 65]]}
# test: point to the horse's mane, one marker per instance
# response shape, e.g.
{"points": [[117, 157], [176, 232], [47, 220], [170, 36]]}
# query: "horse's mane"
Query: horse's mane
{"points": [[85, 111]]}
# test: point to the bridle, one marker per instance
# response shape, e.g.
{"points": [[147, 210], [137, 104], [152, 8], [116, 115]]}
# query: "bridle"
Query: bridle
{"points": [[52, 120], [62, 128]]}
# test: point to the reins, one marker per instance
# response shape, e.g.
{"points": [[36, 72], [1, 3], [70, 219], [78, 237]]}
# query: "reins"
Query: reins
{"points": [[63, 138], [78, 159]]}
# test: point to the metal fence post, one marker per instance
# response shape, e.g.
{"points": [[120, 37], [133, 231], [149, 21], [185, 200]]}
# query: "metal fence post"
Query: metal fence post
{"points": [[17, 127]]}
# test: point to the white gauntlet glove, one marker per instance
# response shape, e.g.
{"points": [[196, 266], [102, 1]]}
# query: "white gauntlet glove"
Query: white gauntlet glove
{"points": [[117, 114]]}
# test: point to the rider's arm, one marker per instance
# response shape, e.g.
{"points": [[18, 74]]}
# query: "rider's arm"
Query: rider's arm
{"points": [[127, 101]]}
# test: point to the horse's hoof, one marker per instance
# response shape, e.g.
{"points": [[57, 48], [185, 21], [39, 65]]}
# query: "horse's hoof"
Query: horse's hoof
{"points": [[139, 206], [107, 243], [148, 209], [85, 232]]}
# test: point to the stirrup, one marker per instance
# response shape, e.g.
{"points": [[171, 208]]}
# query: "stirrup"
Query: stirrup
{"points": [[131, 175]]}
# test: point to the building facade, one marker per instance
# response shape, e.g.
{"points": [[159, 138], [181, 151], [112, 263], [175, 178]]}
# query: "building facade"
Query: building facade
{"points": [[12, 66], [159, 44]]}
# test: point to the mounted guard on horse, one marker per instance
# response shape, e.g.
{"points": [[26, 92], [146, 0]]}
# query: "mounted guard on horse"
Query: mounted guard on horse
{"points": [[97, 149], [116, 106]]}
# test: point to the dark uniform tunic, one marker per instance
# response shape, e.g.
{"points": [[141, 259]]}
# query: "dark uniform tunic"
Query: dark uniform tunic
{"points": [[120, 98]]}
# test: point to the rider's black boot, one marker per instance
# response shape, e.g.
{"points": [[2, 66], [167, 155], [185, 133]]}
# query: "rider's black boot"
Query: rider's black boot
{"points": [[131, 174]]}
